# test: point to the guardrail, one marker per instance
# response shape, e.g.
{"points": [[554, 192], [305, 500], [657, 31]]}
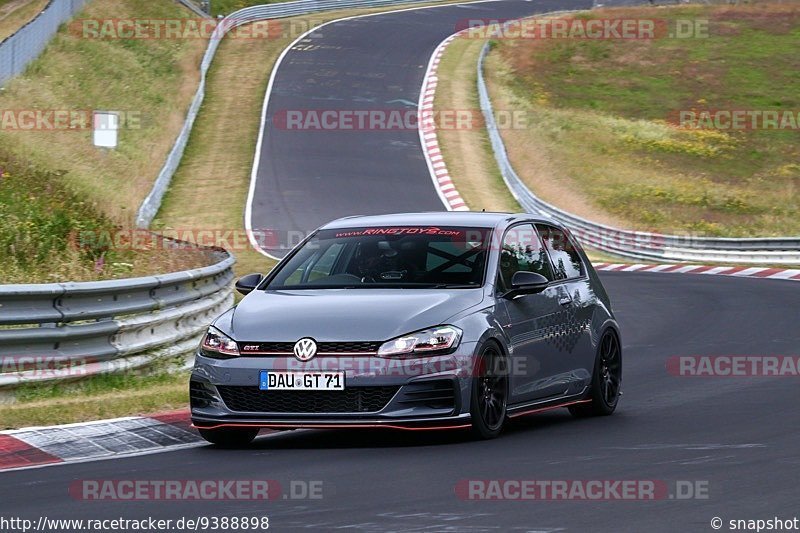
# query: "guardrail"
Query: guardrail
{"points": [[152, 203], [634, 244], [73, 330], [189, 4], [27, 43]]}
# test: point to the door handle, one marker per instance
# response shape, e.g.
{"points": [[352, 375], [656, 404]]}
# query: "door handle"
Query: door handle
{"points": [[565, 300]]}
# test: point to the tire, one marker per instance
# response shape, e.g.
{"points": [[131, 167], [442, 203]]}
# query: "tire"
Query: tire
{"points": [[606, 380], [489, 393], [229, 437]]}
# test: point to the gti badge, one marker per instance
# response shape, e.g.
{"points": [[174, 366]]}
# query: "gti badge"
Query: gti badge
{"points": [[305, 349]]}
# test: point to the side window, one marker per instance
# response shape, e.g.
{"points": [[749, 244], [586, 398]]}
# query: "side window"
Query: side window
{"points": [[321, 265], [326, 262], [567, 263], [522, 250]]}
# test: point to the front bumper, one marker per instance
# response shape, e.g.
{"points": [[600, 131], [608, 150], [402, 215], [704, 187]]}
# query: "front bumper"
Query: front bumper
{"points": [[407, 394], [452, 422]]}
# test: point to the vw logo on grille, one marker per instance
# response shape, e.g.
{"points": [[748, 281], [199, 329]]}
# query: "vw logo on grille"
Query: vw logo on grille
{"points": [[305, 349]]}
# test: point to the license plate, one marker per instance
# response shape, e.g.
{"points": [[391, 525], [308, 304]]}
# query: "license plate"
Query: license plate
{"points": [[269, 380]]}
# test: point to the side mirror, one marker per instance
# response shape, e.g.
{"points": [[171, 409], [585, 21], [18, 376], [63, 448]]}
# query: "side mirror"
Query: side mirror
{"points": [[523, 282], [248, 283]]}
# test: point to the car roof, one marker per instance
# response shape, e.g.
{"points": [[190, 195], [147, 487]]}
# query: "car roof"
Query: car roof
{"points": [[476, 219]]}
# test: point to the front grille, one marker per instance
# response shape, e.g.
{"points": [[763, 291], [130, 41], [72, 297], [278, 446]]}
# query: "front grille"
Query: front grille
{"points": [[348, 347], [199, 395], [353, 400], [439, 394], [287, 348]]}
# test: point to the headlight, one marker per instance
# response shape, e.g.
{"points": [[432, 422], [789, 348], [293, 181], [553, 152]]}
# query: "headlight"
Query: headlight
{"points": [[441, 339], [218, 345]]}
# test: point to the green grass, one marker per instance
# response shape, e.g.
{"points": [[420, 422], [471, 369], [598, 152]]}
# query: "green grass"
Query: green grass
{"points": [[47, 234], [225, 7], [37, 216], [107, 396], [468, 152], [154, 79], [16, 13], [58, 184], [603, 111], [209, 189]]}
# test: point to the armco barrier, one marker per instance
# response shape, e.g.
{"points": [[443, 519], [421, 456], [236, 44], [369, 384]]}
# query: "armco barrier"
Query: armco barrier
{"points": [[635, 244], [28, 42], [151, 204], [72, 330], [189, 4]]}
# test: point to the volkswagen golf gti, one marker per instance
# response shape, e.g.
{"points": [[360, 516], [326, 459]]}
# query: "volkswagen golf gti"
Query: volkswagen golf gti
{"points": [[412, 321]]}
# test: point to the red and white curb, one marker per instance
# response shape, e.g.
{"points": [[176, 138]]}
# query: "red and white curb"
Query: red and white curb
{"points": [[736, 271], [91, 441], [427, 130]]}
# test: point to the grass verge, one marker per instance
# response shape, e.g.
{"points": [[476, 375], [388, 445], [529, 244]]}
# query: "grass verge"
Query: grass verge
{"points": [[468, 152], [49, 234], [152, 81], [96, 398], [602, 141], [225, 7], [16, 13], [56, 183]]}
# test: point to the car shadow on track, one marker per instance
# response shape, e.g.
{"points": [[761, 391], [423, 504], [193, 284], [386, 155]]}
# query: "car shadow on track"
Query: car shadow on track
{"points": [[386, 438]]}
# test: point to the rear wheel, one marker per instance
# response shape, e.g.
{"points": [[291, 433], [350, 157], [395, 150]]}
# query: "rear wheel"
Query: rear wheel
{"points": [[229, 437], [489, 393], [606, 380]]}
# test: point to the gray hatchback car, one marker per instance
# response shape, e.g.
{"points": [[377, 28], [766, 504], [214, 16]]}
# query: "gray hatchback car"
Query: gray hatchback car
{"points": [[412, 321]]}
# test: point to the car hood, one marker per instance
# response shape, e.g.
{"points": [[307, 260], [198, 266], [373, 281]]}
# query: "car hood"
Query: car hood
{"points": [[343, 314]]}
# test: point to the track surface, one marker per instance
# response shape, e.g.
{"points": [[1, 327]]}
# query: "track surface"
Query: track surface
{"points": [[739, 434], [307, 178]]}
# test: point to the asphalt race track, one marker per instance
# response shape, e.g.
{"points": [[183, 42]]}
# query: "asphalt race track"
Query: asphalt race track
{"points": [[306, 178], [737, 434]]}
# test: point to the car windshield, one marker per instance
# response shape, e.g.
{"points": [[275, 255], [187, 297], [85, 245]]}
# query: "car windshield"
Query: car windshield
{"points": [[393, 257]]}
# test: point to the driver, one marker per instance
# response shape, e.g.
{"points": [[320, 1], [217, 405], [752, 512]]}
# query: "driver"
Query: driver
{"points": [[378, 261], [367, 258]]}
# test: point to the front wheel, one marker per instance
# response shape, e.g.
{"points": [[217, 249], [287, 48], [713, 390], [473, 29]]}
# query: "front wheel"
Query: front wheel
{"points": [[606, 380], [489, 393], [229, 437]]}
